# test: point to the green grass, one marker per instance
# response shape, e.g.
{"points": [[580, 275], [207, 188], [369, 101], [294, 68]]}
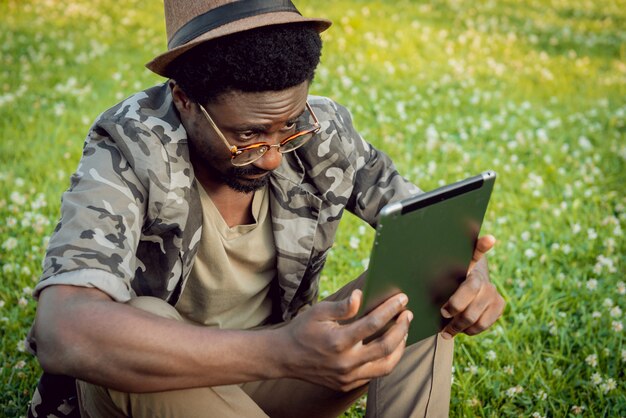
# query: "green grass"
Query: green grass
{"points": [[535, 90]]}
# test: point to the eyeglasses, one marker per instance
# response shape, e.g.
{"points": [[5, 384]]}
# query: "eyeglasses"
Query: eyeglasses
{"points": [[247, 154]]}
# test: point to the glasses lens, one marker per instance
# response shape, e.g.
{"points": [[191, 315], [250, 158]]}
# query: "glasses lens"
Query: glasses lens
{"points": [[295, 142], [249, 155]]}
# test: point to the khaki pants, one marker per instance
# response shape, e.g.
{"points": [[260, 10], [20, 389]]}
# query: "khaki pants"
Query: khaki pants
{"points": [[419, 386]]}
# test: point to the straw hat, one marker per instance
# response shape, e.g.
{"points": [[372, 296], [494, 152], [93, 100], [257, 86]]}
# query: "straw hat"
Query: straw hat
{"points": [[191, 22]]}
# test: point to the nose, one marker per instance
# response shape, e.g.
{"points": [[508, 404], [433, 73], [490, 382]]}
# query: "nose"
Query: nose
{"points": [[270, 160]]}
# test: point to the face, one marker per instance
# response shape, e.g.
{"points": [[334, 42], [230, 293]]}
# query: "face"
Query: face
{"points": [[244, 119]]}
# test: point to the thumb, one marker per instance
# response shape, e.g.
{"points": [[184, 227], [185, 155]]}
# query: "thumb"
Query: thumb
{"points": [[483, 245], [343, 309]]}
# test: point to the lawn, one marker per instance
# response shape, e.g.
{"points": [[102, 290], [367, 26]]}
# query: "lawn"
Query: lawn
{"points": [[535, 90]]}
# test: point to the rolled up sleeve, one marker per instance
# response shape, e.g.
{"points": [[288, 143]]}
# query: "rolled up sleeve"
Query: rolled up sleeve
{"points": [[102, 213]]}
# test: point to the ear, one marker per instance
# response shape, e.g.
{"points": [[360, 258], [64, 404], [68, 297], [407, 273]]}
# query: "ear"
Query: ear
{"points": [[183, 103]]}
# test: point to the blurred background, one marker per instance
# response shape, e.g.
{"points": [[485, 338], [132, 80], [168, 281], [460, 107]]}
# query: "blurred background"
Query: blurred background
{"points": [[535, 90]]}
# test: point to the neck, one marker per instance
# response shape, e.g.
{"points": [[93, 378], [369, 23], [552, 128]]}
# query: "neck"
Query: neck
{"points": [[235, 207]]}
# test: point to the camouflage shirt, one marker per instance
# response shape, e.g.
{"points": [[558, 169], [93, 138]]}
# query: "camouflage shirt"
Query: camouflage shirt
{"points": [[131, 220]]}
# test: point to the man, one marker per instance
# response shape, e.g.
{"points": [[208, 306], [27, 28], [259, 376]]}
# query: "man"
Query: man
{"points": [[183, 275]]}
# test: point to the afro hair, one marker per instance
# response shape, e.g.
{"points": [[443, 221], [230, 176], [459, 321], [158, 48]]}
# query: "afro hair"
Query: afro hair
{"points": [[270, 58]]}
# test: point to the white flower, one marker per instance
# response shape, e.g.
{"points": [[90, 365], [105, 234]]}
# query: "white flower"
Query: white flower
{"points": [[610, 244], [616, 312], [596, 314], [491, 355], [596, 379], [59, 109], [542, 395], [557, 373], [577, 410], [473, 402], [584, 143], [542, 135], [512, 391], [530, 253], [9, 244], [17, 198], [509, 369], [592, 284], [602, 262], [22, 302], [592, 234], [39, 202], [621, 288], [21, 346], [20, 365], [608, 302], [537, 415], [2, 303], [525, 236], [617, 326], [623, 356], [473, 369], [362, 229], [609, 385], [592, 360], [553, 328], [576, 228], [566, 249]]}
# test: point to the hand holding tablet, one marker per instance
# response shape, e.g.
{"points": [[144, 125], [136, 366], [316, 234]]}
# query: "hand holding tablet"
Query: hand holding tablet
{"points": [[423, 247]]}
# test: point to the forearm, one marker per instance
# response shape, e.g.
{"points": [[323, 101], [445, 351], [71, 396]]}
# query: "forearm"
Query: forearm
{"points": [[124, 348]]}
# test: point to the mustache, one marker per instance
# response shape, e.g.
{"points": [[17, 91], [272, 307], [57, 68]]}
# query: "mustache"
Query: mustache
{"points": [[248, 170]]}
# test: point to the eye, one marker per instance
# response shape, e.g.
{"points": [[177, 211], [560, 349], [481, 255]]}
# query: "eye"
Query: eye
{"points": [[247, 136], [290, 126]]}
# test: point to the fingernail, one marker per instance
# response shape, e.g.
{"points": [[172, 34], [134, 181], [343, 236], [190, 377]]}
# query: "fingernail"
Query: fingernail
{"points": [[410, 316], [446, 336], [445, 313], [404, 299], [352, 297]]}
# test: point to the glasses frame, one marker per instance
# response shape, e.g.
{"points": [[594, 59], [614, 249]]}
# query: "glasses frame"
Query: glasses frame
{"points": [[236, 151]]}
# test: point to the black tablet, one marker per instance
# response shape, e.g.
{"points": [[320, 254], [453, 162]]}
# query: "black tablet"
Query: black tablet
{"points": [[423, 247]]}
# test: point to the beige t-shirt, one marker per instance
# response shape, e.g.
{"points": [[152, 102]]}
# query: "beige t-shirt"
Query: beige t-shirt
{"points": [[229, 284]]}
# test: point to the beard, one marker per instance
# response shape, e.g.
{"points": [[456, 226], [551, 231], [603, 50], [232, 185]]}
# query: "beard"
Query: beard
{"points": [[234, 178], [226, 173]]}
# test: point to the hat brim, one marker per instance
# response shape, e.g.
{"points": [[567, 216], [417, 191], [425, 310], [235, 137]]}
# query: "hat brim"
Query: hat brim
{"points": [[161, 63]]}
